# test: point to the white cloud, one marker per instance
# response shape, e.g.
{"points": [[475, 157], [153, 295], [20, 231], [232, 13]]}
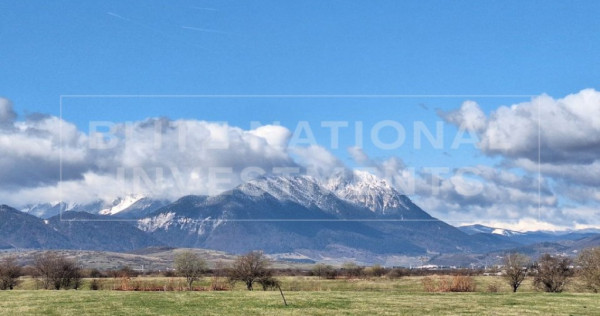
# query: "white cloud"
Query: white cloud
{"points": [[7, 114], [557, 137], [568, 129], [317, 161], [475, 194], [157, 156], [524, 225], [170, 159], [469, 117], [358, 155], [31, 153]]}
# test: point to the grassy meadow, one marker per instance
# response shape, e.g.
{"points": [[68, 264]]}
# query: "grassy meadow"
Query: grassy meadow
{"points": [[305, 296]]}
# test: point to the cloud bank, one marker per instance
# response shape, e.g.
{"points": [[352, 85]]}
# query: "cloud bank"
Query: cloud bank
{"points": [[559, 138], [170, 158]]}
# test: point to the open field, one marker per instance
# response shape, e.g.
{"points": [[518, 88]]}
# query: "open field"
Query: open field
{"points": [[158, 258], [305, 295], [409, 284], [301, 303]]}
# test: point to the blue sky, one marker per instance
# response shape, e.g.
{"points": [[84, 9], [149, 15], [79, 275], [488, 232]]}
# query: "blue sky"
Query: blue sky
{"points": [[289, 47], [275, 47], [473, 50]]}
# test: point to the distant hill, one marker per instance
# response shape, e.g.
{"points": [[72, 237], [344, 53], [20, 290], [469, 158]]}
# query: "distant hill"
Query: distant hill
{"points": [[75, 230], [531, 237], [357, 214], [353, 216], [20, 230], [127, 207], [95, 232]]}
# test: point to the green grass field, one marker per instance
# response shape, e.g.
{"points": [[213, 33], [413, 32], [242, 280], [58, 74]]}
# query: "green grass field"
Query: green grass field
{"points": [[305, 295]]}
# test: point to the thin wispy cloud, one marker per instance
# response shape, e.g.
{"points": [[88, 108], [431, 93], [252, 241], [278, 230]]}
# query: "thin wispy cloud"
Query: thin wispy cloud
{"points": [[204, 9], [139, 24], [198, 29], [157, 30], [118, 16]]}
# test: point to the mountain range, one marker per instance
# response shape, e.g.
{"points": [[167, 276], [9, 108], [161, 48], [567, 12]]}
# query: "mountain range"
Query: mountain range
{"points": [[71, 230], [354, 216], [128, 207]]}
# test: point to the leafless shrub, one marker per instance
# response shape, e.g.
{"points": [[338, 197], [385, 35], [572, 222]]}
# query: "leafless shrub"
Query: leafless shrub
{"points": [[493, 288], [95, 285], [352, 270], [324, 271], [552, 273], [463, 283], [516, 268], [10, 272], [397, 273], [429, 284], [458, 283], [375, 271], [218, 281], [190, 266], [589, 271], [57, 271], [250, 268]]}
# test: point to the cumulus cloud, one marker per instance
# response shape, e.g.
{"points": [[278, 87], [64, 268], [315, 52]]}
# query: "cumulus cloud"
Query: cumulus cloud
{"points": [[317, 161], [31, 153], [358, 155], [558, 130], [7, 114], [507, 198], [171, 158], [469, 117], [158, 156], [557, 137], [473, 186]]}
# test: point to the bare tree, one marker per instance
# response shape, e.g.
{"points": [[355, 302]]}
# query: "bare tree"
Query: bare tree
{"points": [[589, 263], [324, 271], [190, 266], [516, 266], [57, 271], [44, 264], [10, 272], [68, 274], [249, 268], [375, 270], [270, 282], [553, 273], [218, 277], [352, 270]]}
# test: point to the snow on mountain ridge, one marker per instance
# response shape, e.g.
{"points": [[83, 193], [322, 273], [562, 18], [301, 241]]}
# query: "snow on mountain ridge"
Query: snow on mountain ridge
{"points": [[47, 210], [151, 224], [130, 205], [304, 190], [358, 188], [366, 189], [121, 204], [477, 228]]}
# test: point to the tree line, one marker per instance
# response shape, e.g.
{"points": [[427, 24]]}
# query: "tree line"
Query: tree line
{"points": [[53, 270], [553, 273]]}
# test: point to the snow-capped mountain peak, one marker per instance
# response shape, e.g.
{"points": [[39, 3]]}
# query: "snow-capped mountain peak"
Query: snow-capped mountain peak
{"points": [[366, 189], [121, 204], [477, 228], [304, 190], [47, 210], [130, 206], [358, 188]]}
